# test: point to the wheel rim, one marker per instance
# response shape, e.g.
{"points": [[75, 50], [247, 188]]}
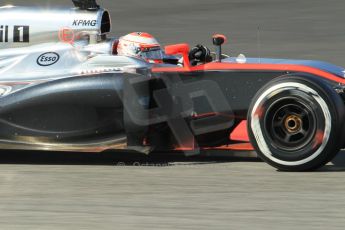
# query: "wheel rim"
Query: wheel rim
{"points": [[261, 135], [291, 124]]}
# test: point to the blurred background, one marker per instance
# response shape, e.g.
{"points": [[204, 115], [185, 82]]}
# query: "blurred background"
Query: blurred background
{"points": [[307, 29]]}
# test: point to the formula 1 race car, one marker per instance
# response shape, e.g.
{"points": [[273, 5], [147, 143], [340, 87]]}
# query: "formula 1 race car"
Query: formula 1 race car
{"points": [[62, 87]]}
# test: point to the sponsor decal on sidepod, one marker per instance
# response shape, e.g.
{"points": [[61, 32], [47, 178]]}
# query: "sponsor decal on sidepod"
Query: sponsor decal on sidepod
{"points": [[48, 59]]}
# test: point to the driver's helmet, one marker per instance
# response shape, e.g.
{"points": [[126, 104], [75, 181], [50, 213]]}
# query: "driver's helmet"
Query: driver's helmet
{"points": [[141, 45]]}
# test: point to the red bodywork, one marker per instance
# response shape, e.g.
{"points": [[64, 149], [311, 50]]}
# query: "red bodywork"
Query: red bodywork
{"points": [[240, 132]]}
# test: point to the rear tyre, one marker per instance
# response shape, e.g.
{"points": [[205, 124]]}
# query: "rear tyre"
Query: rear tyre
{"points": [[295, 123]]}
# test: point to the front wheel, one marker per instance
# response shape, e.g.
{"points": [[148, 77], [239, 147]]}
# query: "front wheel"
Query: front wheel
{"points": [[295, 123]]}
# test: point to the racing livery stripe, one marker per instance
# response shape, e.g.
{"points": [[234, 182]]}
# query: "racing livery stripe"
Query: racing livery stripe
{"points": [[253, 67]]}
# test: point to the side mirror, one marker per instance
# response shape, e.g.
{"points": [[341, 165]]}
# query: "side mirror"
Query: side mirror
{"points": [[179, 49], [218, 40]]}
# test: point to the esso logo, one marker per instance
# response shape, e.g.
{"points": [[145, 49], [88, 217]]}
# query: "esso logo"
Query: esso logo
{"points": [[48, 59]]}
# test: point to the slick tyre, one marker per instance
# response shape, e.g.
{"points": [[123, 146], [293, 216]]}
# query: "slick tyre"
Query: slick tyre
{"points": [[295, 123]]}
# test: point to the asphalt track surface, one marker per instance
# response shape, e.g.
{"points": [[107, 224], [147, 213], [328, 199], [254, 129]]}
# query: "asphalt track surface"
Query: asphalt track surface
{"points": [[118, 191]]}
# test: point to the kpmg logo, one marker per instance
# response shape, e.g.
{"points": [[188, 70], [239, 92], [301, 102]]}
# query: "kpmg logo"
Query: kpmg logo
{"points": [[84, 23]]}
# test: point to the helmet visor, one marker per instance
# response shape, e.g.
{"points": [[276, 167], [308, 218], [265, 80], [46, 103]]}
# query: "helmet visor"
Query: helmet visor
{"points": [[154, 53]]}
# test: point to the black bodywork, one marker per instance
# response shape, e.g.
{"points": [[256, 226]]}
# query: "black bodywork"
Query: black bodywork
{"points": [[148, 108]]}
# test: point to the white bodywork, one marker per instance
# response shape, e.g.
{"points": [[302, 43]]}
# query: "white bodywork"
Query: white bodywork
{"points": [[45, 55]]}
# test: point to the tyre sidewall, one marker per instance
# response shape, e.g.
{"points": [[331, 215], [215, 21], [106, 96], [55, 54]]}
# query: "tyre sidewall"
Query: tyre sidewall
{"points": [[329, 102]]}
